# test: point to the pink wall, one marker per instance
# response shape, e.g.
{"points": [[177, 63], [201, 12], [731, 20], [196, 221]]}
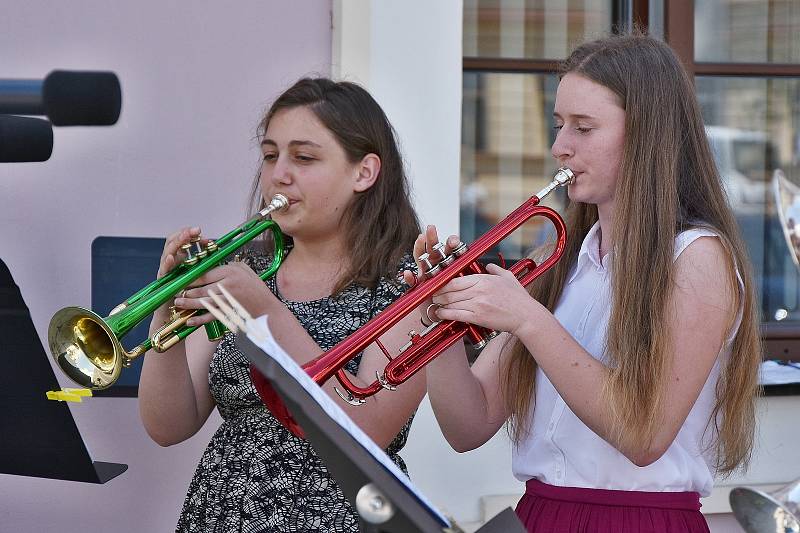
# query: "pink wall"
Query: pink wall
{"points": [[195, 76]]}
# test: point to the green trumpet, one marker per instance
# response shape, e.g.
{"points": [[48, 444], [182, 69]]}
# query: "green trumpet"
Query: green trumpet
{"points": [[87, 347]]}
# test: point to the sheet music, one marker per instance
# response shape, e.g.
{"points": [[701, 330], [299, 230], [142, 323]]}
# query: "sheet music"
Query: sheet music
{"points": [[258, 332]]}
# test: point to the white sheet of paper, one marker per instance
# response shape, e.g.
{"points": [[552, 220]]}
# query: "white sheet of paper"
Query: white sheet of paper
{"points": [[774, 373], [259, 333]]}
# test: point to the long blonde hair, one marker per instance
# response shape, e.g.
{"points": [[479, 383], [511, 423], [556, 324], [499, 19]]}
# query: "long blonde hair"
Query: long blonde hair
{"points": [[668, 182]]}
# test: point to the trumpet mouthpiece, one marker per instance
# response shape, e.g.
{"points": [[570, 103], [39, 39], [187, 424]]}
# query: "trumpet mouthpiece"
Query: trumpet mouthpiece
{"points": [[564, 176], [278, 203]]}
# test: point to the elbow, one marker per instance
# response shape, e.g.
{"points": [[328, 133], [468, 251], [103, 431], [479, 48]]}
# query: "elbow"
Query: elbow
{"points": [[461, 445], [165, 442], [161, 434], [461, 448], [163, 439]]}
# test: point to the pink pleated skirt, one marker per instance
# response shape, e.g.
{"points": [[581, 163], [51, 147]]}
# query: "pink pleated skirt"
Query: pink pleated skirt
{"points": [[551, 509]]}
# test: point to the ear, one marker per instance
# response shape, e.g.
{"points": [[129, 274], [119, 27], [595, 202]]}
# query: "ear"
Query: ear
{"points": [[367, 172]]}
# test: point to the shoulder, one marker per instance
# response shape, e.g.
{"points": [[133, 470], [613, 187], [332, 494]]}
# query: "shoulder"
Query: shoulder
{"points": [[406, 263], [392, 286], [704, 269], [254, 256]]}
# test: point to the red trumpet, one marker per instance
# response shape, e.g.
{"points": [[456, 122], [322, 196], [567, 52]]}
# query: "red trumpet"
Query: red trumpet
{"points": [[425, 346]]}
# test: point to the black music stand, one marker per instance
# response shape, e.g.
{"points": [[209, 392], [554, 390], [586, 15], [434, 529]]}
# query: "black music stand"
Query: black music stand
{"points": [[366, 483], [38, 437]]}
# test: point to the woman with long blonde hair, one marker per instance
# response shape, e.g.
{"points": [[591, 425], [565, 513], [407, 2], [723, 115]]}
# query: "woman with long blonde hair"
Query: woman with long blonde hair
{"points": [[628, 373]]}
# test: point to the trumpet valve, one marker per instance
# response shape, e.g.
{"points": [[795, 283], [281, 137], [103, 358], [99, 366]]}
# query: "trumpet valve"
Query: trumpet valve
{"points": [[211, 246], [194, 252], [426, 259], [191, 257], [439, 248], [459, 250], [199, 251]]}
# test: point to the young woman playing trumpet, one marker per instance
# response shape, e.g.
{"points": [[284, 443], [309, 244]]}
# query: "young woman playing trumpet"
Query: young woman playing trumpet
{"points": [[330, 150], [628, 374]]}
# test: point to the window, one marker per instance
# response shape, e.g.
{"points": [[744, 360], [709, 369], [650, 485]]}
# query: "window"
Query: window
{"points": [[745, 56]]}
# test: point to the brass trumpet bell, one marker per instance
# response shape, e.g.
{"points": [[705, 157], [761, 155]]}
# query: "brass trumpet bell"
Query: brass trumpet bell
{"points": [[86, 348]]}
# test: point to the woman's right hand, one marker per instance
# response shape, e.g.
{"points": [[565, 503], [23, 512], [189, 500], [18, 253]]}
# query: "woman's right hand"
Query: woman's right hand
{"points": [[425, 244], [170, 257]]}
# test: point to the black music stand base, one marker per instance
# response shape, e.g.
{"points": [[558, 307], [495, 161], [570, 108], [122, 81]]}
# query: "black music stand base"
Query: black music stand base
{"points": [[39, 437]]}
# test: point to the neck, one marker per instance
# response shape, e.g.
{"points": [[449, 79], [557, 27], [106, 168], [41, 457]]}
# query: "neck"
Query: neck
{"points": [[312, 269], [323, 255], [327, 249]]}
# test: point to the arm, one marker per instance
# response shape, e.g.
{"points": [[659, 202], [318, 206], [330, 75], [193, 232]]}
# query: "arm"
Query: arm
{"points": [[174, 397], [468, 402], [384, 414], [702, 309]]}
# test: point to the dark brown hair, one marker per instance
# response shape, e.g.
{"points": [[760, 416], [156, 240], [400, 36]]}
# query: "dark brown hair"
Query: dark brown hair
{"points": [[668, 183], [380, 222]]}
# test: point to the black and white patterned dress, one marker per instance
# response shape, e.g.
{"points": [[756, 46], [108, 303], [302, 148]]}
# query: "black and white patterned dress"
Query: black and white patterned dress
{"points": [[255, 476]]}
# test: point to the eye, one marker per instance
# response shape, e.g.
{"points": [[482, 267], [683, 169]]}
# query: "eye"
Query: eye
{"points": [[304, 158], [583, 130], [270, 156], [558, 127]]}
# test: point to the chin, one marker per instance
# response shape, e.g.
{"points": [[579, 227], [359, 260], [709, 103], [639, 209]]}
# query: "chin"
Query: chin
{"points": [[576, 194]]}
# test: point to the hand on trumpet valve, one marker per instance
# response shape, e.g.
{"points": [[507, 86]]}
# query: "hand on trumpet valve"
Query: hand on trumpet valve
{"points": [[240, 281], [176, 247], [430, 256], [495, 300]]}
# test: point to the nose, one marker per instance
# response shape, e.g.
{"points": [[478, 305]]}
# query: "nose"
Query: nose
{"points": [[562, 148], [276, 171]]}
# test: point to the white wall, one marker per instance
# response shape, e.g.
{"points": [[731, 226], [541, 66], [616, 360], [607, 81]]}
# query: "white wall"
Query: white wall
{"points": [[195, 76], [409, 55]]}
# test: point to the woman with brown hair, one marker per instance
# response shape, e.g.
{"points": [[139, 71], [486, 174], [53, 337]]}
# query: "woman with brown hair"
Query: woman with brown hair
{"points": [[628, 372], [329, 148]]}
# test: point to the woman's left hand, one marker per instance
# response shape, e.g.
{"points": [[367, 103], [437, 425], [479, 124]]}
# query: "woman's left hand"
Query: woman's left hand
{"points": [[239, 280], [496, 300]]}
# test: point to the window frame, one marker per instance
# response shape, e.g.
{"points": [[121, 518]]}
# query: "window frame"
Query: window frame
{"points": [[781, 339]]}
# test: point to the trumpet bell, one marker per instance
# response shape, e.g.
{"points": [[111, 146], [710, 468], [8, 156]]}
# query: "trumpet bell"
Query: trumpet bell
{"points": [[787, 202], [758, 511], [85, 347]]}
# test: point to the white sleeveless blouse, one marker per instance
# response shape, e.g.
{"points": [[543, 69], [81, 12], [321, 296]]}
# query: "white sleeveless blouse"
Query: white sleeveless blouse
{"points": [[561, 450]]}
